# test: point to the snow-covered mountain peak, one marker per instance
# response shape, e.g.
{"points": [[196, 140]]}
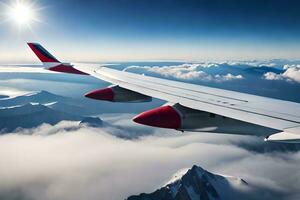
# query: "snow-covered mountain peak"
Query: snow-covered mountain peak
{"points": [[196, 184]]}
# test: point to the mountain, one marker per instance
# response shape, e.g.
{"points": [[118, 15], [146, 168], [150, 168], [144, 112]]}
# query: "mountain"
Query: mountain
{"points": [[56, 102], [197, 184], [35, 108], [30, 115], [91, 122], [41, 97]]}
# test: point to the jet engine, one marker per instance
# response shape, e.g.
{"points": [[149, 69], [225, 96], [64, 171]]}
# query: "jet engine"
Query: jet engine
{"points": [[176, 116], [173, 117], [117, 94]]}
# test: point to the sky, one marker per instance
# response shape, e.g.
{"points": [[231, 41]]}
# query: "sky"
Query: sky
{"points": [[122, 30]]}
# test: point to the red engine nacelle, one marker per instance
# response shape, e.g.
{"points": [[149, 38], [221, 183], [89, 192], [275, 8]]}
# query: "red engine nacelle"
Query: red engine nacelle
{"points": [[173, 117], [117, 94], [186, 119]]}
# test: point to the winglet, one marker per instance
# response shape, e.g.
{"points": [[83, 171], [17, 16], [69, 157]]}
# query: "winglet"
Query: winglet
{"points": [[42, 53], [50, 62]]}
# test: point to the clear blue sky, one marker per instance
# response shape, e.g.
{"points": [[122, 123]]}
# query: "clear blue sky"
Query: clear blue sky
{"points": [[157, 29]]}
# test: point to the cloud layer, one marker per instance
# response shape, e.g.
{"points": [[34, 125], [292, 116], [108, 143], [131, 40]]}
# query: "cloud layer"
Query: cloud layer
{"points": [[66, 162], [225, 71], [189, 72]]}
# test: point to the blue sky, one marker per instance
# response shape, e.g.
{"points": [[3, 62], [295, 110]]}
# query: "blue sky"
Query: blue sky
{"points": [[157, 30]]}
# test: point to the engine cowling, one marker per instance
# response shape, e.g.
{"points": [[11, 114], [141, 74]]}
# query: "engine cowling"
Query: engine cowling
{"points": [[182, 118], [173, 117], [117, 94]]}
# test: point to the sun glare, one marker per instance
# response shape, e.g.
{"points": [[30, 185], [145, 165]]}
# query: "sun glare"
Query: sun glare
{"points": [[21, 12]]}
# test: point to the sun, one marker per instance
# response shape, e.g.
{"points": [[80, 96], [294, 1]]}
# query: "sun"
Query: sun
{"points": [[22, 12]]}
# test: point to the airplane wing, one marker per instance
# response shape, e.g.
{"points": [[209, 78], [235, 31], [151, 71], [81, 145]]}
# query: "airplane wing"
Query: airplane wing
{"points": [[191, 102]]}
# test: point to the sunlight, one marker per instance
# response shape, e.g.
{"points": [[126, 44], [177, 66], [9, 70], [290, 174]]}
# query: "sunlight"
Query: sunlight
{"points": [[21, 12]]}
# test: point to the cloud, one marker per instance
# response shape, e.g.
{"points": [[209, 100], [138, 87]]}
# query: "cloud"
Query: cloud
{"points": [[228, 77], [253, 63], [190, 72], [291, 73], [273, 76], [61, 162]]}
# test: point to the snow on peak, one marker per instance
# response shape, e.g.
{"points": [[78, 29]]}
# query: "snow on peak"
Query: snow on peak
{"points": [[196, 183], [178, 175]]}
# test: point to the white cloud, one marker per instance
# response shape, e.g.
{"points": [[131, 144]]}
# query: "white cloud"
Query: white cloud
{"points": [[292, 73], [253, 63], [228, 77], [57, 162], [189, 72], [273, 76]]}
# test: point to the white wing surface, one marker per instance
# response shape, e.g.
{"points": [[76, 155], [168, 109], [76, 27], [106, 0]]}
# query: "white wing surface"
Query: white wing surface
{"points": [[268, 112]]}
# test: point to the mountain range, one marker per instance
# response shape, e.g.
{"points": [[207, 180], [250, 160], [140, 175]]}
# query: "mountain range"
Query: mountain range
{"points": [[31, 115], [35, 108]]}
